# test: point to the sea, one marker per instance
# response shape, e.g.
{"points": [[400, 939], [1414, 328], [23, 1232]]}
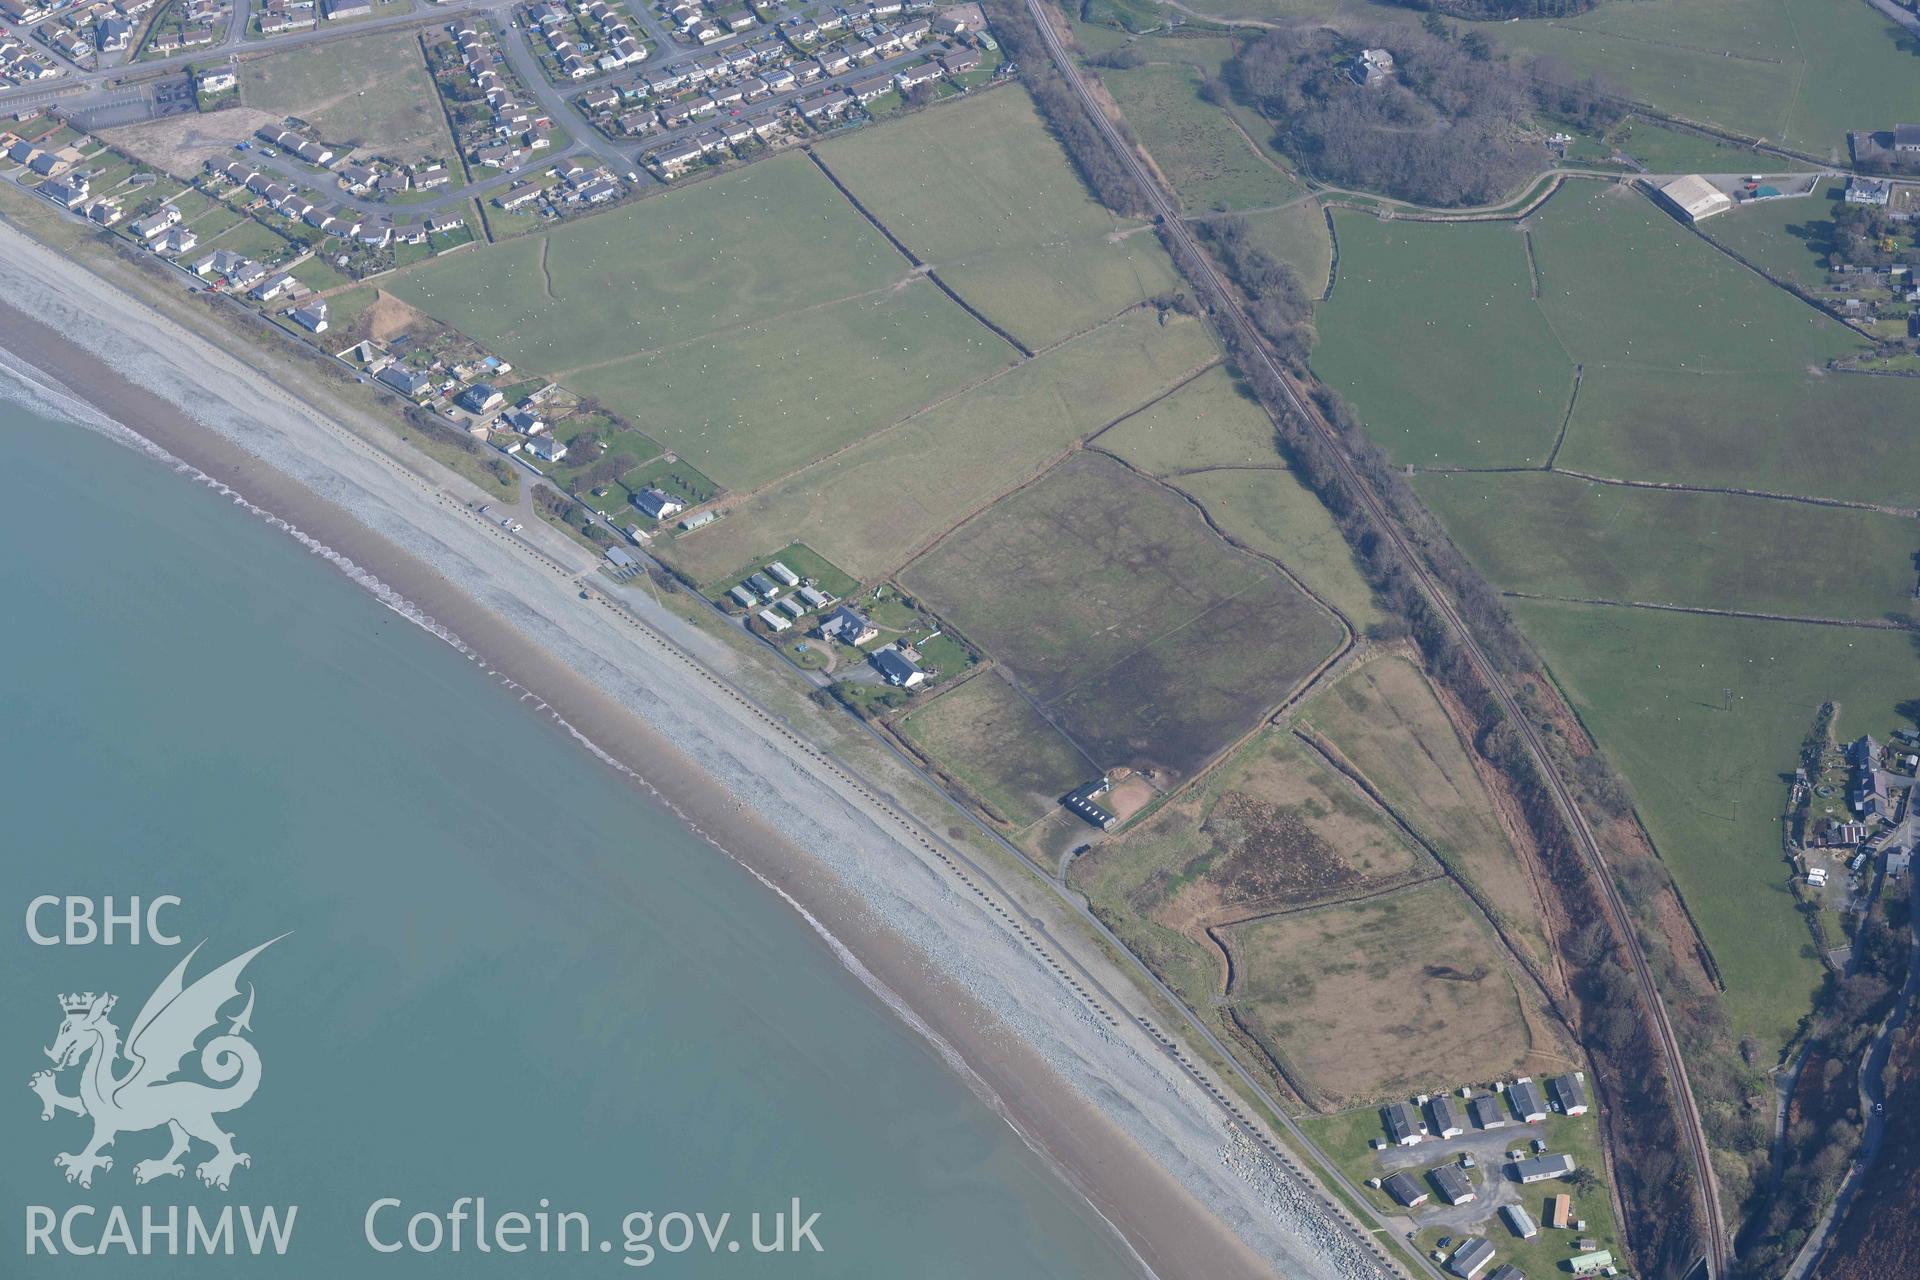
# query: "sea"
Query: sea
{"points": [[511, 1018]]}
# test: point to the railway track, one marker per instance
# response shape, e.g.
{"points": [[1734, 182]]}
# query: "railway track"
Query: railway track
{"points": [[1227, 309]]}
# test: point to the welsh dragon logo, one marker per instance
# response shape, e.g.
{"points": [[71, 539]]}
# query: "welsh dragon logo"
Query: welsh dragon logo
{"points": [[145, 1095]]}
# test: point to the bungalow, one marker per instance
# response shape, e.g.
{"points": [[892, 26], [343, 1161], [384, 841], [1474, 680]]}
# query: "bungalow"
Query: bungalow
{"points": [[220, 262], [1506, 1271], [410, 383], [1404, 1124], [1569, 1093], [433, 175], [391, 184], [670, 161], [375, 233], [1402, 1187], [658, 503], [1527, 1102], [773, 620], [547, 448], [481, 397], [815, 598], [514, 197], [1453, 1184], [958, 62], [311, 316], [356, 177], [441, 223], [1541, 1168], [1446, 1118], [409, 233], [337, 9], [599, 192], [897, 669], [784, 574], [1487, 1112], [104, 211], [762, 586], [909, 78], [1471, 1258], [1518, 1222], [865, 91], [742, 597], [849, 627]]}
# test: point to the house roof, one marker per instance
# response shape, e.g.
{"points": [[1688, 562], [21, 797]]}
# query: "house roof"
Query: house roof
{"points": [[1403, 1121], [1453, 1182], [1526, 1098], [1402, 1187], [1568, 1091], [1487, 1110], [895, 666]]}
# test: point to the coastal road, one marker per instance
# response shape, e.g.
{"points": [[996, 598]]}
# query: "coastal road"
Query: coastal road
{"points": [[1229, 312]]}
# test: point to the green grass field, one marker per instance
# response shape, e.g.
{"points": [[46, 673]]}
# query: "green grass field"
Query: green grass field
{"points": [[874, 506], [1665, 150], [983, 192], [1624, 284], [1801, 72], [1150, 641], [1209, 164], [1787, 239], [1210, 422], [1708, 782], [1557, 535], [1838, 435], [1297, 235], [1419, 313], [1217, 446], [738, 251], [749, 405], [992, 741], [372, 92]]}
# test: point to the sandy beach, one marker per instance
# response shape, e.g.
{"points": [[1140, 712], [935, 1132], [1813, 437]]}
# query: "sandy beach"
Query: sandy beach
{"points": [[681, 712]]}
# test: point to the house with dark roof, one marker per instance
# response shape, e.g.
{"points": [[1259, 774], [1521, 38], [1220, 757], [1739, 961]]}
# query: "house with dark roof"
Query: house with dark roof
{"points": [[1084, 800], [1519, 1222], [1569, 1094], [1906, 137], [848, 627], [1453, 1184], [897, 669], [1445, 1116], [410, 383], [1524, 1094], [1487, 1111], [1404, 1125], [1506, 1271], [481, 397], [658, 503], [1402, 1187]]}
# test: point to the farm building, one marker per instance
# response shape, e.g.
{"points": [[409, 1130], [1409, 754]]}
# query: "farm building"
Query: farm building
{"points": [[658, 503], [1487, 1111], [1569, 1094], [1560, 1212], [1518, 1221], [1404, 1124], [1694, 198], [1402, 1187], [1541, 1168], [1454, 1185], [1445, 1116], [1527, 1102], [1083, 801], [1471, 1258]]}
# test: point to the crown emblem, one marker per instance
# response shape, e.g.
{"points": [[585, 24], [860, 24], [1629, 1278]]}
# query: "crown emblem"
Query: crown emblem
{"points": [[80, 1002]]}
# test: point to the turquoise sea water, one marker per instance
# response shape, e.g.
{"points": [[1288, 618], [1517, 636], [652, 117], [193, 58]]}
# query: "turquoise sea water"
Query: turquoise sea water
{"points": [[507, 975]]}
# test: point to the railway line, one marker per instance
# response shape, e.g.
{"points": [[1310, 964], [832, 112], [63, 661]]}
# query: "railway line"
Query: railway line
{"points": [[1227, 309]]}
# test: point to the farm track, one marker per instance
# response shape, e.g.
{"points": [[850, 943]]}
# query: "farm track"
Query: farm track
{"points": [[1859, 624], [1230, 313], [1671, 486]]}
